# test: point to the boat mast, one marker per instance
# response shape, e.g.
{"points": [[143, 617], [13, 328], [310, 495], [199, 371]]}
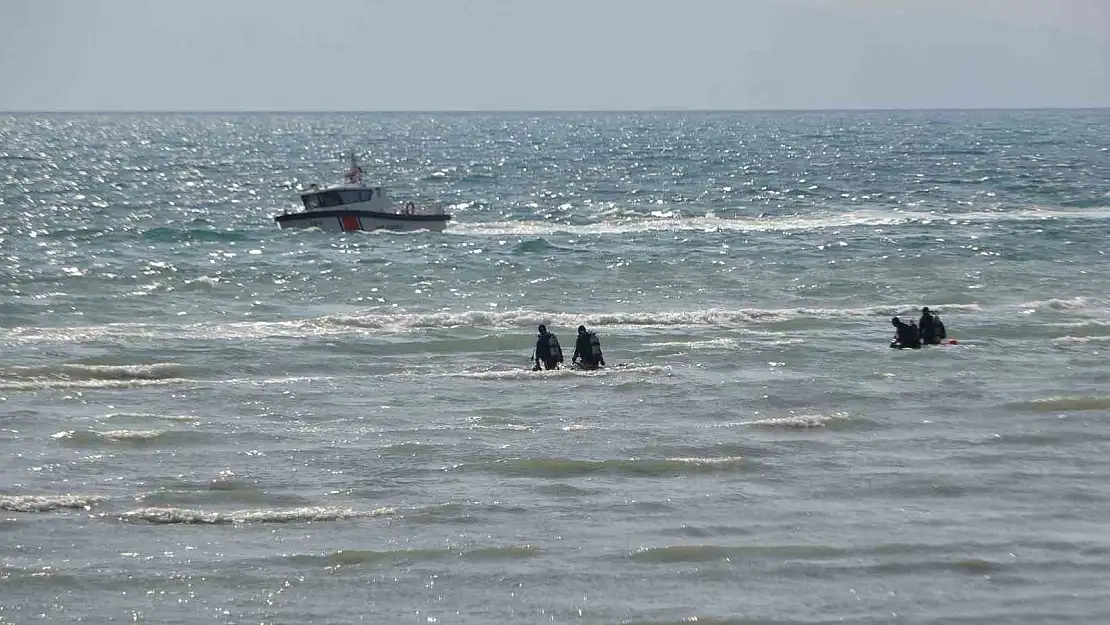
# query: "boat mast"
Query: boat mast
{"points": [[354, 174]]}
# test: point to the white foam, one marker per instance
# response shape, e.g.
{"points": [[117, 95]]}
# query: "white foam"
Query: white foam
{"points": [[669, 222], [294, 515], [1074, 303], [129, 435], [708, 461], [110, 435], [47, 384], [798, 421], [47, 503], [509, 427], [145, 416], [76, 371], [528, 374], [331, 325], [74, 375], [723, 343]]}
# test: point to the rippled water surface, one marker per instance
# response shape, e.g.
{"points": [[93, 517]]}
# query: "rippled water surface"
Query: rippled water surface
{"points": [[207, 419]]}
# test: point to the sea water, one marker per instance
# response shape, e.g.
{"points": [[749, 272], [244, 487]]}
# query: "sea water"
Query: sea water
{"points": [[204, 418]]}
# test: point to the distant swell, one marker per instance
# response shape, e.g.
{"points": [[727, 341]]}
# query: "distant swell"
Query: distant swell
{"points": [[47, 503], [89, 376], [294, 515], [561, 468], [355, 557], [170, 235], [709, 553], [1064, 404]]}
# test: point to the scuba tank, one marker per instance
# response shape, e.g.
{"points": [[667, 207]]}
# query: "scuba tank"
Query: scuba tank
{"points": [[595, 346], [553, 348]]}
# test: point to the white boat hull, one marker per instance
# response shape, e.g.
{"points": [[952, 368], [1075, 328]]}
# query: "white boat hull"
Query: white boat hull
{"points": [[355, 220]]}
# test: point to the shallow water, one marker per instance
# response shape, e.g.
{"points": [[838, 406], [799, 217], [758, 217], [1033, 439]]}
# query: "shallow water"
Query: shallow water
{"points": [[210, 419]]}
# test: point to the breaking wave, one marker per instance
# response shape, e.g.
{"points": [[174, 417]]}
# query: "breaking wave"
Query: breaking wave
{"points": [[89, 376], [799, 421], [295, 515], [398, 322], [1074, 303], [47, 503], [136, 436]]}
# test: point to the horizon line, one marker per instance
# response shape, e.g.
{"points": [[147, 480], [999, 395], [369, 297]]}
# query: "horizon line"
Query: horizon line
{"points": [[260, 111]]}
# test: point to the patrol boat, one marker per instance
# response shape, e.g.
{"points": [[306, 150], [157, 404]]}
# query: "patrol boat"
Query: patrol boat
{"points": [[354, 205]]}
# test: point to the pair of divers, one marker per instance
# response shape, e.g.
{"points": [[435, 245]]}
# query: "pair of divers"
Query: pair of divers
{"points": [[928, 331], [587, 351]]}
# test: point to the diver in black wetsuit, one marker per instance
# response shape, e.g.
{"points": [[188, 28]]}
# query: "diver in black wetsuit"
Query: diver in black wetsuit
{"points": [[907, 335], [587, 350], [548, 350], [928, 328]]}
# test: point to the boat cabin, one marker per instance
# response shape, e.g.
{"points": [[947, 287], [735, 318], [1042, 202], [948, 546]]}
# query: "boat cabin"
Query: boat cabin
{"points": [[332, 198]]}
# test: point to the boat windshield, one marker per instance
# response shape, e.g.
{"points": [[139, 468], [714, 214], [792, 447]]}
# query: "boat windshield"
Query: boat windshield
{"points": [[327, 199]]}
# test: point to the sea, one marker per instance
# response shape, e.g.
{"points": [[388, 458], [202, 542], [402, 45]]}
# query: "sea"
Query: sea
{"points": [[207, 419]]}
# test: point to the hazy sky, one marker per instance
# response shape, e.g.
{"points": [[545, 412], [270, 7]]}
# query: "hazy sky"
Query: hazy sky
{"points": [[551, 54]]}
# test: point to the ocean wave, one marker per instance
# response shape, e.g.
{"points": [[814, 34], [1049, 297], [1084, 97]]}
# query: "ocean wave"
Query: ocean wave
{"points": [[532, 246], [1063, 404], [136, 436], [709, 553], [1080, 340], [1074, 303], [76, 371], [147, 416], [722, 343], [45, 384], [169, 515], [47, 503], [356, 557], [75, 375], [530, 318], [112, 435], [802, 421], [399, 322], [795, 421], [529, 374], [446, 513], [410, 449], [165, 234], [564, 467]]}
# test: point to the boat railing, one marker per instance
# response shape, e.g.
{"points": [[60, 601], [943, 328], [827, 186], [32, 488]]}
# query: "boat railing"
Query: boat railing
{"points": [[422, 208]]}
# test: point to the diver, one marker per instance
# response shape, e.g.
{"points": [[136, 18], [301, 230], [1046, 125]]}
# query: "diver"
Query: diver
{"points": [[548, 352], [942, 334], [587, 350], [907, 335], [932, 330]]}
